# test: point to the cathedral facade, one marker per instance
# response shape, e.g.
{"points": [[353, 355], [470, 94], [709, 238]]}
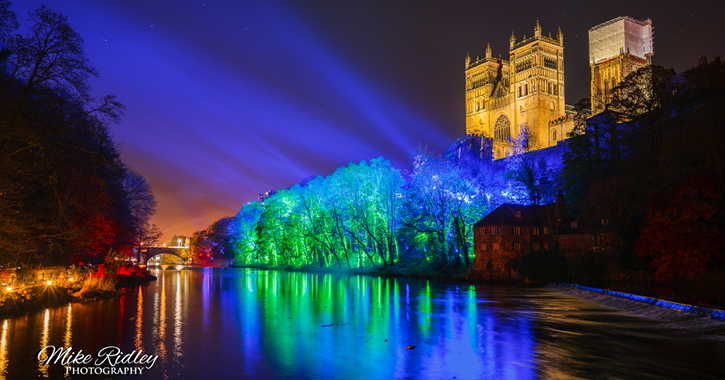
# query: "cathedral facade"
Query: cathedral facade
{"points": [[524, 93], [505, 97]]}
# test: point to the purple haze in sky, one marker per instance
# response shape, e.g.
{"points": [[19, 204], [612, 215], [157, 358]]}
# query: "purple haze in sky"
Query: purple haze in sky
{"points": [[226, 100]]}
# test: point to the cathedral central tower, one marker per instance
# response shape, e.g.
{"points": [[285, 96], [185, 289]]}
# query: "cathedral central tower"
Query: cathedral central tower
{"points": [[526, 91]]}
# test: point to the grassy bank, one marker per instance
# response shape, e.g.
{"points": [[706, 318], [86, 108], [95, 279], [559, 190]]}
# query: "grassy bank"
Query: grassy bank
{"points": [[75, 285]]}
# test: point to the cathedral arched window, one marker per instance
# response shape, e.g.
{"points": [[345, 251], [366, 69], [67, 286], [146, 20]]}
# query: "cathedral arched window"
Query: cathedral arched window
{"points": [[553, 134], [526, 89], [502, 128]]}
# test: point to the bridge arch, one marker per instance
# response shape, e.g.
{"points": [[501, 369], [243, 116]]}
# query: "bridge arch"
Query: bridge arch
{"points": [[149, 253]]}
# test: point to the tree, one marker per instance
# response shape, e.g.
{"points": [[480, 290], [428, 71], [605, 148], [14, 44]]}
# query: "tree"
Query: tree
{"points": [[683, 230], [443, 203], [149, 235], [142, 205], [8, 24], [243, 231], [531, 181], [176, 240], [62, 193]]}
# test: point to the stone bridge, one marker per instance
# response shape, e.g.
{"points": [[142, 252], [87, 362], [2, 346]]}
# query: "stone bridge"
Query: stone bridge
{"points": [[144, 254]]}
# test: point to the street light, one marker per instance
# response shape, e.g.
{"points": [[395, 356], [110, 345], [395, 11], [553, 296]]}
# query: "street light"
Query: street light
{"points": [[138, 257]]}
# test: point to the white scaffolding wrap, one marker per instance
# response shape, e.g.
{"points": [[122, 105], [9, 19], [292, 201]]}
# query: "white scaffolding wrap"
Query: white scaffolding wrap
{"points": [[621, 35]]}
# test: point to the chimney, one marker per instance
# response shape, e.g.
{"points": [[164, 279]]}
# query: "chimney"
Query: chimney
{"points": [[702, 61]]}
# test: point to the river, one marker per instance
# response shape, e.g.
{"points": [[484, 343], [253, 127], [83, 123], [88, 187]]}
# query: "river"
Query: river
{"points": [[207, 323]]}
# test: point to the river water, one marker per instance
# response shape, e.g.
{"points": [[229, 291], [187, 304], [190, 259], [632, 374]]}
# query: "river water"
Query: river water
{"points": [[243, 323]]}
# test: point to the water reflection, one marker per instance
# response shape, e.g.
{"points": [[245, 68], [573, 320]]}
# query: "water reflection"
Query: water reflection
{"points": [[69, 333], [361, 319], [138, 338], [42, 367], [4, 350], [207, 323]]}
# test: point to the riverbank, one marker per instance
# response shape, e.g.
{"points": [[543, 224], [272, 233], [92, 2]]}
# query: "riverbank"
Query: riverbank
{"points": [[72, 286], [389, 271], [702, 320]]}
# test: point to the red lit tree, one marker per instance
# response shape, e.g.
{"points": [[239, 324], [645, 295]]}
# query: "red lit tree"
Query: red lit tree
{"points": [[682, 231]]}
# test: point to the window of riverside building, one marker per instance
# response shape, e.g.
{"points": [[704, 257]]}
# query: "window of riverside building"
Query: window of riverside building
{"points": [[517, 230], [546, 230], [517, 247], [484, 247], [517, 214], [536, 247], [535, 231], [546, 246], [495, 246], [494, 230]]}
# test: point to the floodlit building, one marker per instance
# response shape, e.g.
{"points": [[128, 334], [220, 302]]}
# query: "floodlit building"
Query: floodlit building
{"points": [[526, 89], [504, 96], [512, 231], [617, 48]]}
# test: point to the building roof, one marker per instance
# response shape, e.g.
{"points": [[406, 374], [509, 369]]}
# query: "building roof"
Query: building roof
{"points": [[620, 18], [530, 215]]}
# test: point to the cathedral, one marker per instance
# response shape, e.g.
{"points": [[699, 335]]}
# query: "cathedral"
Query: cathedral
{"points": [[526, 91]]}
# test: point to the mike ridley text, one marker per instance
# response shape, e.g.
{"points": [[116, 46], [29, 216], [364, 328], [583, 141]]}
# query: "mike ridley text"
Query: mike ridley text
{"points": [[109, 360]]}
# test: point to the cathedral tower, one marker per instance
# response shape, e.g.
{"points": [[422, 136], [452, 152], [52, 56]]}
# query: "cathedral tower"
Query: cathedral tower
{"points": [[617, 48], [526, 91]]}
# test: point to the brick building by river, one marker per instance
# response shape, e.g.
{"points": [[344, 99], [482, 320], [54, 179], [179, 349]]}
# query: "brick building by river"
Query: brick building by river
{"points": [[512, 231]]}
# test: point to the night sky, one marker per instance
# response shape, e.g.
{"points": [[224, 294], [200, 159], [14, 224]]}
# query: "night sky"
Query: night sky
{"points": [[229, 99]]}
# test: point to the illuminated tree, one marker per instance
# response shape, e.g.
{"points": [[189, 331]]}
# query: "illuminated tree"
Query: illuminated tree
{"points": [[530, 180], [243, 231], [443, 204]]}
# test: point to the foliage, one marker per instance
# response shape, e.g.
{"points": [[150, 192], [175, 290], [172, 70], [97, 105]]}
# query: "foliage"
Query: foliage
{"points": [[174, 241], [683, 230], [65, 194], [651, 164], [213, 243], [530, 180], [367, 215]]}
